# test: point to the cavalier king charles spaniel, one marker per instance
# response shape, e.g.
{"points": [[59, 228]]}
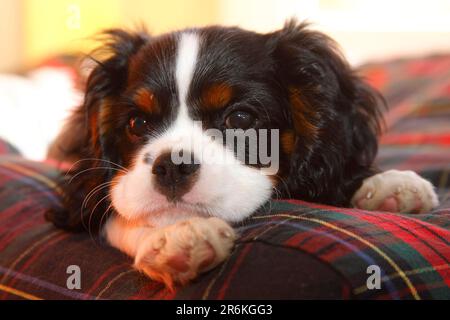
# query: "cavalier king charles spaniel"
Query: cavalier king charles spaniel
{"points": [[151, 100]]}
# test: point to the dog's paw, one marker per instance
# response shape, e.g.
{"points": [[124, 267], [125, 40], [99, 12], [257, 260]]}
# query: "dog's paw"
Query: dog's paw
{"points": [[179, 252], [396, 191]]}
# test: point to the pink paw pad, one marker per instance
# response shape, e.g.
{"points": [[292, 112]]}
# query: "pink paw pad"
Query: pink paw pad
{"points": [[179, 262], [390, 204], [360, 203]]}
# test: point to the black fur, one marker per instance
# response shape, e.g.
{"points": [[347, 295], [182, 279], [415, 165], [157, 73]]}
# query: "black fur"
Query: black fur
{"points": [[327, 166], [330, 168], [90, 150]]}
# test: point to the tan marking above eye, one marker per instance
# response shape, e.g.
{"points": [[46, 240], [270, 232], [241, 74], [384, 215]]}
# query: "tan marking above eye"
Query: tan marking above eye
{"points": [[216, 96], [303, 115], [146, 100]]}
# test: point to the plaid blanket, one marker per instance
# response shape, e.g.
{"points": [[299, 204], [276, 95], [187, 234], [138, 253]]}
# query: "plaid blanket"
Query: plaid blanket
{"points": [[290, 249]]}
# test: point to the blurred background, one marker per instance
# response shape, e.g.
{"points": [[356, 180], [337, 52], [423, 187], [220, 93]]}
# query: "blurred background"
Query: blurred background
{"points": [[33, 31]]}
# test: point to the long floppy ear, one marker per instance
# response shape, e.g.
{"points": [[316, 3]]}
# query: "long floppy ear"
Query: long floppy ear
{"points": [[80, 142], [334, 116]]}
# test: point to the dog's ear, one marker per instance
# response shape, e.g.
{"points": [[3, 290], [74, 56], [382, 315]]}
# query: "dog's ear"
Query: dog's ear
{"points": [[334, 117], [82, 141], [108, 73]]}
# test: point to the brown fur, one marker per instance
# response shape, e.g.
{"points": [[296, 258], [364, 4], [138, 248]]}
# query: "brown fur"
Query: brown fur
{"points": [[303, 115], [217, 96], [146, 100]]}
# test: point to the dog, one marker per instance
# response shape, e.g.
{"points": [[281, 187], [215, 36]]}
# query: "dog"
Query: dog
{"points": [[152, 97]]}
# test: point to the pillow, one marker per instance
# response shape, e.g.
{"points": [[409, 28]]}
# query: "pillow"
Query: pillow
{"points": [[7, 148], [289, 249]]}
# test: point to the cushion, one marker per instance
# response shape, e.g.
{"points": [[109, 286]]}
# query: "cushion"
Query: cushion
{"points": [[289, 249], [7, 148]]}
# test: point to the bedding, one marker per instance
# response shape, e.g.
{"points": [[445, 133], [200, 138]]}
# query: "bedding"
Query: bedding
{"points": [[289, 249], [46, 94]]}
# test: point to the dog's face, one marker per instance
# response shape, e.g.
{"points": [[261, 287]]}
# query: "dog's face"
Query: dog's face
{"points": [[180, 86], [158, 98]]}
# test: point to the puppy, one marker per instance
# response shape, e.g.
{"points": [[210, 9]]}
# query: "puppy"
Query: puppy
{"points": [[152, 100]]}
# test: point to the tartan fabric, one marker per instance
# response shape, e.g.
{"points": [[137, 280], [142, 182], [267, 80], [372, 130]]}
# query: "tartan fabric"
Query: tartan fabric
{"points": [[7, 148], [289, 249], [418, 122]]}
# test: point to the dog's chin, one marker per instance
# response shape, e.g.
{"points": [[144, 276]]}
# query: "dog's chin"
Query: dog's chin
{"points": [[174, 211], [154, 209]]}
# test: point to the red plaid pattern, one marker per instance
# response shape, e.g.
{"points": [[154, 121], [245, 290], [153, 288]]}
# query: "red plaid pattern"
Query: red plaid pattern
{"points": [[290, 249]]}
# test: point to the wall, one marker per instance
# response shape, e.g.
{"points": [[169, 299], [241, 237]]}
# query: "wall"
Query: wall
{"points": [[365, 29], [33, 29], [11, 44], [52, 26]]}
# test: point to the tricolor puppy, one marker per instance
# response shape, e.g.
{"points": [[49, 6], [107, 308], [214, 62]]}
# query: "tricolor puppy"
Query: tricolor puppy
{"points": [[156, 99]]}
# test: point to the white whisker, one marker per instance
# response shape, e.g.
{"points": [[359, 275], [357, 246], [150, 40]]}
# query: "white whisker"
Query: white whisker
{"points": [[96, 159], [95, 168], [92, 211]]}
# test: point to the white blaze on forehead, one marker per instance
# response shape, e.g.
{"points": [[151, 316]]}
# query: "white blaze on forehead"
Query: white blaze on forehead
{"points": [[224, 184], [188, 48]]}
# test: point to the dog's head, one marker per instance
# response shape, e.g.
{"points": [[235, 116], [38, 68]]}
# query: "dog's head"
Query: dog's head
{"points": [[158, 112]]}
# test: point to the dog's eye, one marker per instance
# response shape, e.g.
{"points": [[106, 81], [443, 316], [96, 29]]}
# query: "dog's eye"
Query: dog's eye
{"points": [[137, 126], [240, 120]]}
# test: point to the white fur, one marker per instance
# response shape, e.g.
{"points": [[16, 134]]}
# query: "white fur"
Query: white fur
{"points": [[225, 187], [188, 48], [406, 186], [193, 242]]}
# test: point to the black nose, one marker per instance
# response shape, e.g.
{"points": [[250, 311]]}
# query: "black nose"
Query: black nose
{"points": [[174, 180]]}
